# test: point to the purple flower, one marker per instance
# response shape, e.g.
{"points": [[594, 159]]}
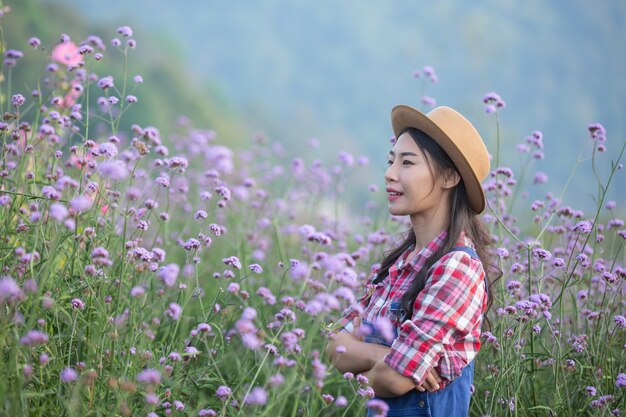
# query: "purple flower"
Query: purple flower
{"points": [[492, 99], [105, 82], [34, 42], [256, 268], [513, 285], [223, 192], [223, 392], [81, 203], [13, 54], [191, 244], [149, 376], [168, 274], [18, 100], [620, 321], [151, 398], [384, 326], [232, 261], [341, 401], [9, 291], [33, 338], [138, 79], [266, 294], [200, 215], [174, 311], [346, 158], [378, 407], [540, 178], [50, 192], [106, 149], [69, 375], [113, 169], [125, 31], [490, 338], [584, 227], [502, 253], [77, 304], [620, 381], [137, 291], [597, 131], [58, 211], [276, 380], [299, 271], [541, 254], [429, 101], [258, 396]]}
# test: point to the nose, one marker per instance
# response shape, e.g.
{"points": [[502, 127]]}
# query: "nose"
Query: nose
{"points": [[390, 173]]}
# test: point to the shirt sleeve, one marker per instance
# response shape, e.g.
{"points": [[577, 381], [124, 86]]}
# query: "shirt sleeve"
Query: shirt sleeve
{"points": [[447, 309], [358, 307]]}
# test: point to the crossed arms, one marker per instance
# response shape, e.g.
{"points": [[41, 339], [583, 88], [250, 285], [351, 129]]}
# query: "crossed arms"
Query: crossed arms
{"points": [[368, 359]]}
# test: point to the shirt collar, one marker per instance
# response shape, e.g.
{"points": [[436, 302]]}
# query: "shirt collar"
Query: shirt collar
{"points": [[418, 261]]}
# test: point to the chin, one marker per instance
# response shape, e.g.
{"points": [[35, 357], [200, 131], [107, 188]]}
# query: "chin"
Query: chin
{"points": [[395, 212]]}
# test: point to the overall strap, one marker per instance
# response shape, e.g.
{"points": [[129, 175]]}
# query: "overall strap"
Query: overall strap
{"points": [[467, 249]]}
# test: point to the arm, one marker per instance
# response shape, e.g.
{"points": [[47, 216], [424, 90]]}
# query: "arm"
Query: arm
{"points": [[387, 382], [368, 359], [358, 356]]}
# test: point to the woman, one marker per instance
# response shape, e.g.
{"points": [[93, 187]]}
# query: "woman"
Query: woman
{"points": [[432, 288]]}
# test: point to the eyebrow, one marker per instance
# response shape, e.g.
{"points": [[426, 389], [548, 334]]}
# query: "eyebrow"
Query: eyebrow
{"points": [[392, 153]]}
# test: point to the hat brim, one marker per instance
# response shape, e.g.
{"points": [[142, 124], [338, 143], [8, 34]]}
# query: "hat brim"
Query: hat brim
{"points": [[404, 117]]}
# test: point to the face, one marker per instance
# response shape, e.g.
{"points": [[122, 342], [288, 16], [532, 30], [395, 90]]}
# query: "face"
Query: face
{"points": [[413, 187]]}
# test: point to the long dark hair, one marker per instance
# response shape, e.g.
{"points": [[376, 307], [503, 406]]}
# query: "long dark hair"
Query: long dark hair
{"points": [[462, 219]]}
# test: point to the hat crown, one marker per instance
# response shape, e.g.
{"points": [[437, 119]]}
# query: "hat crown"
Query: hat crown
{"points": [[463, 133]]}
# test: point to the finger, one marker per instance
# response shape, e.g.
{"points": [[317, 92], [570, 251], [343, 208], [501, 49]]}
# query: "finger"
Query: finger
{"points": [[432, 382], [420, 388], [356, 331], [435, 374]]}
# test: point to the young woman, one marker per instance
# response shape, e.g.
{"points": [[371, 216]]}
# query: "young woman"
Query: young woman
{"points": [[415, 331]]}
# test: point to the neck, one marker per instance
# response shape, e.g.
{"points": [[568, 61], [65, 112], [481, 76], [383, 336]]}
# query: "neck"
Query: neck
{"points": [[427, 226]]}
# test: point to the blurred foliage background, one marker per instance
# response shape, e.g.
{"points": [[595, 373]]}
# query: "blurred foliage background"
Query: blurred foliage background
{"points": [[333, 70]]}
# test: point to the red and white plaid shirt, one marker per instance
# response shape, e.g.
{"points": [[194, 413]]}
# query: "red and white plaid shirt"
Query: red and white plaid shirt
{"points": [[444, 331]]}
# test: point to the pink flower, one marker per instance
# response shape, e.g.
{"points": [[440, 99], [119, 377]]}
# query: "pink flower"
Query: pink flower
{"points": [[67, 54]]}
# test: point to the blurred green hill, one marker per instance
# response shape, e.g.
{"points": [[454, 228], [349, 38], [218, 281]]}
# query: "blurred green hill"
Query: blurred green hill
{"points": [[169, 91]]}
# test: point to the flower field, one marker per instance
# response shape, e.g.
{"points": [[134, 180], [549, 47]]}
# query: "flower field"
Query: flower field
{"points": [[153, 276]]}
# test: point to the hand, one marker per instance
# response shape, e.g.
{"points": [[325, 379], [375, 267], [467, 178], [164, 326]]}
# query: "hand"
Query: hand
{"points": [[431, 383], [356, 328]]}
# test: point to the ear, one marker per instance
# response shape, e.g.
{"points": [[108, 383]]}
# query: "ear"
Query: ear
{"points": [[451, 179]]}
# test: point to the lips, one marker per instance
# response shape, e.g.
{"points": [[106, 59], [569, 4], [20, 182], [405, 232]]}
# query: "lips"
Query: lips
{"points": [[393, 194]]}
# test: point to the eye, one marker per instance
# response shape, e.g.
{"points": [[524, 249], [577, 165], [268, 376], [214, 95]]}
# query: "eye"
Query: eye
{"points": [[389, 162], [407, 162]]}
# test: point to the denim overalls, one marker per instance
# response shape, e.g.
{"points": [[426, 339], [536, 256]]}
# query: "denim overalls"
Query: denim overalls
{"points": [[451, 401]]}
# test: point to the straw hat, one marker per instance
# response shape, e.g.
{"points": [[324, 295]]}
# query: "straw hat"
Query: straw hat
{"points": [[458, 137]]}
